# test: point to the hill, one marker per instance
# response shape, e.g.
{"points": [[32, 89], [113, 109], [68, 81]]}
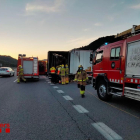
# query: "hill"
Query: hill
{"points": [[99, 42], [11, 62], [8, 61]]}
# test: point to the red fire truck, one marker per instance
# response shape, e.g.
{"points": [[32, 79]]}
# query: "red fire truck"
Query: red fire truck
{"points": [[116, 67], [42, 67], [30, 66]]}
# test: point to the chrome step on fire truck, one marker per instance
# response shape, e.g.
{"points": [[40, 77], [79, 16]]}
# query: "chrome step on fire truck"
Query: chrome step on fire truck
{"points": [[30, 66], [116, 67]]}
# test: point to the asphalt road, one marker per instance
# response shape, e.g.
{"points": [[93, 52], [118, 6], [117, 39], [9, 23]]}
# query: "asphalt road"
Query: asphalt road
{"points": [[37, 110]]}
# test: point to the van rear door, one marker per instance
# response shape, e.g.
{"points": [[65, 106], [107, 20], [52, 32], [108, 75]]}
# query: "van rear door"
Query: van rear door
{"points": [[28, 67]]}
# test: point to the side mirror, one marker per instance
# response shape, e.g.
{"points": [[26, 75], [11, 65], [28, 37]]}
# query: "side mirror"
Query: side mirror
{"points": [[94, 61], [102, 57], [91, 57]]}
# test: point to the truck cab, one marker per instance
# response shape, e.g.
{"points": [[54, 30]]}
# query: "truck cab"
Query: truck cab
{"points": [[116, 69]]}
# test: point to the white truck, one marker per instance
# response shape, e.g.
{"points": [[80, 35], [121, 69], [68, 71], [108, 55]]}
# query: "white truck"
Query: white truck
{"points": [[81, 57], [73, 58]]}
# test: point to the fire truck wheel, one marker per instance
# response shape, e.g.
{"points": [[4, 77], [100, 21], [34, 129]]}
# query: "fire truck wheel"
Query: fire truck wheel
{"points": [[102, 91]]}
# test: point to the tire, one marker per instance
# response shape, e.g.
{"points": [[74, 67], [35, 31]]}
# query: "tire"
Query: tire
{"points": [[102, 91], [10, 75], [13, 74]]}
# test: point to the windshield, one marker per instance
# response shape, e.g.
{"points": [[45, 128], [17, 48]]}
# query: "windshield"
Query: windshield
{"points": [[3, 69], [133, 59]]}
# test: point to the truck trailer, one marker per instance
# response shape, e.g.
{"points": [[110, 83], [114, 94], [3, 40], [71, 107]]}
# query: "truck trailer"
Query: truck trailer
{"points": [[81, 57], [73, 58]]}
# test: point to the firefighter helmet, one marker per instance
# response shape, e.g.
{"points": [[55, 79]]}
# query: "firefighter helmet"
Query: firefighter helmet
{"points": [[62, 65], [80, 66], [66, 65]]}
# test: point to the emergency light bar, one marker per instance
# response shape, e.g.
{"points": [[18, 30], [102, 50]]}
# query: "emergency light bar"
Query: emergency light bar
{"points": [[20, 55], [24, 55]]}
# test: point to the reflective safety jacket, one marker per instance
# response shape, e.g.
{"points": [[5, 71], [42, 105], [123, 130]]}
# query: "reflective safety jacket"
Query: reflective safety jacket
{"points": [[67, 71], [58, 72], [63, 72], [52, 70], [20, 71], [81, 76]]}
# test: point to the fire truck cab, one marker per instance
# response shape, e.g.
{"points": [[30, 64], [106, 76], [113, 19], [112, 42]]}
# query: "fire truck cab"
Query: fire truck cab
{"points": [[116, 68]]}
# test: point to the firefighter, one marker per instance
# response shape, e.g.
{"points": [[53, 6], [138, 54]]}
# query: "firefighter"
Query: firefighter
{"points": [[53, 75], [20, 74], [57, 74], [59, 69], [63, 73], [81, 77], [78, 82], [67, 74]]}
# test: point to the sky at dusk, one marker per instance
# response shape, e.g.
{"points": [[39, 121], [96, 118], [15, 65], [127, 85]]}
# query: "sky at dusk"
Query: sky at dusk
{"points": [[34, 27]]}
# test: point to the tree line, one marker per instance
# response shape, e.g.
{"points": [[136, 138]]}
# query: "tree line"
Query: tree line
{"points": [[7, 61]]}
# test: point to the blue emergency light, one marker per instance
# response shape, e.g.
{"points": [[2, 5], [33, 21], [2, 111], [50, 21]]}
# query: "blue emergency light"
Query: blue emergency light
{"points": [[106, 43]]}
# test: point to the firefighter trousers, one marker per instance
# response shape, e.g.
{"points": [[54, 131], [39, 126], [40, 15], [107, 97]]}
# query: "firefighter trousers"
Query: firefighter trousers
{"points": [[82, 87], [67, 79], [53, 78], [58, 78], [63, 80], [21, 77]]}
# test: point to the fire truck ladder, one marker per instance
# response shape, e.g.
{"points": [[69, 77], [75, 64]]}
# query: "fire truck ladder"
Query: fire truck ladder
{"points": [[128, 33]]}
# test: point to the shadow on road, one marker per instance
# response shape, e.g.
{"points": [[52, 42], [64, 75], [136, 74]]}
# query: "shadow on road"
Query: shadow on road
{"points": [[126, 103]]}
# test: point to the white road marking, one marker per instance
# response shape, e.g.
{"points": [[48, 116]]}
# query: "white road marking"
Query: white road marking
{"points": [[15, 80], [49, 82], [67, 97], [60, 91], [80, 109], [108, 133], [52, 84], [55, 87]]}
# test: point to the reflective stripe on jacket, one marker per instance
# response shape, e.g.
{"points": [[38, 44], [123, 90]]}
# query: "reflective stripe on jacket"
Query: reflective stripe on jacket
{"points": [[52, 70], [62, 72], [67, 71], [20, 71], [58, 72], [81, 76]]}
